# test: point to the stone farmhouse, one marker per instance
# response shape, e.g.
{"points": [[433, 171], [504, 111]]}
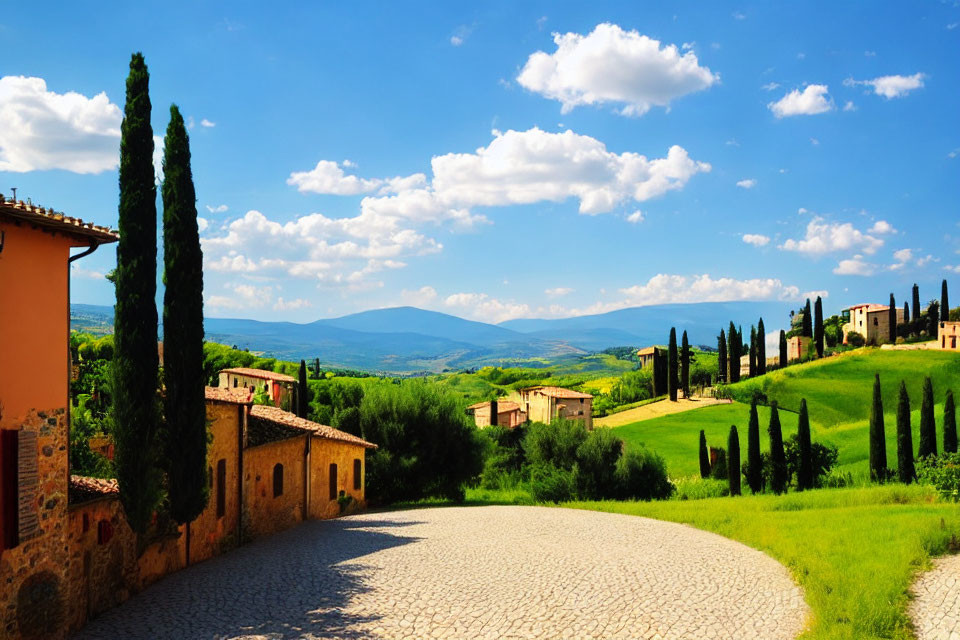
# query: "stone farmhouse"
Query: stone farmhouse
{"points": [[869, 320], [280, 388], [546, 404], [947, 338], [646, 356], [797, 347], [66, 551], [508, 414]]}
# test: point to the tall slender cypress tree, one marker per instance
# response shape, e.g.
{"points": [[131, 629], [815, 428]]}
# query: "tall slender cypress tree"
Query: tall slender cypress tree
{"points": [[704, 456], [933, 320], [316, 368], [928, 427], [949, 424], [783, 349], [754, 460], [906, 314], [892, 320], [805, 471], [878, 439], [303, 392], [761, 348], [806, 326], [779, 475], [753, 352], [685, 365], [672, 365], [905, 470], [722, 357], [944, 302], [185, 429], [818, 326], [733, 355], [916, 303], [733, 461], [135, 410]]}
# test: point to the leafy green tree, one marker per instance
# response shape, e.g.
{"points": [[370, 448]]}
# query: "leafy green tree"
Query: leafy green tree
{"points": [[685, 365], [779, 475], [807, 326], [672, 365], [185, 427], [733, 461], [805, 477], [818, 326], [892, 320], [944, 302], [928, 427], [754, 471], [949, 424], [878, 439], [704, 456], [783, 349], [761, 348], [303, 391], [916, 303], [135, 412], [722, 357], [905, 469]]}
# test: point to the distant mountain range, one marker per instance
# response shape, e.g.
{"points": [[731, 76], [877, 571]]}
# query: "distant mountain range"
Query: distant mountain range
{"points": [[407, 339]]}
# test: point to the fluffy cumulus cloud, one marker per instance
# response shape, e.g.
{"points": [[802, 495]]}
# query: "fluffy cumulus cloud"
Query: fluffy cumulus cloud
{"points": [[291, 305], [329, 177], [41, 129], [480, 306], [240, 297], [906, 257], [756, 239], [812, 100], [419, 297], [636, 217], [747, 183], [890, 86], [826, 237], [882, 227], [855, 266], [611, 65]]}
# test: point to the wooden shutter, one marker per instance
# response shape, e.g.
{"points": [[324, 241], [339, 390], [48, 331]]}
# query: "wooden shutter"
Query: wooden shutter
{"points": [[357, 474], [9, 521], [333, 482], [221, 488], [29, 479]]}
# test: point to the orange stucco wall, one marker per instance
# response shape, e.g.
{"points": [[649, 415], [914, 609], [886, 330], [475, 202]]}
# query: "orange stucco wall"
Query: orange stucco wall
{"points": [[323, 452], [263, 512]]}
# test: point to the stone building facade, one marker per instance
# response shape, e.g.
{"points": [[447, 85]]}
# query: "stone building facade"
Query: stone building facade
{"points": [[872, 321], [280, 388], [546, 404], [948, 338], [797, 347], [509, 414]]}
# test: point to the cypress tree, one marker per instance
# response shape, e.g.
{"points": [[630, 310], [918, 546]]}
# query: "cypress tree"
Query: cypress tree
{"points": [[733, 461], [928, 428], [672, 365], [933, 320], [805, 471], [722, 357], [878, 440], [704, 456], [184, 405], [906, 313], [752, 357], [783, 349], [494, 413], [818, 326], [779, 475], [916, 303], [806, 327], [949, 424], [135, 409], [944, 302], [316, 368], [892, 320], [761, 348], [733, 355], [685, 365], [754, 461], [303, 393], [905, 470]]}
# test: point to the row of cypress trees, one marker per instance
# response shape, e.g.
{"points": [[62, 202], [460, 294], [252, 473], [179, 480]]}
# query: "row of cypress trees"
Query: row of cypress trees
{"points": [[936, 312], [906, 471], [730, 349], [678, 365], [152, 445]]}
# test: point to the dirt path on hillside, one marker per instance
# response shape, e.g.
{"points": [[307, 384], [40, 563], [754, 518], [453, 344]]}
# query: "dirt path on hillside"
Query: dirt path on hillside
{"points": [[655, 410]]}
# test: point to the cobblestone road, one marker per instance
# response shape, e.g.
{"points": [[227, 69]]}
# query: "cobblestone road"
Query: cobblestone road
{"points": [[473, 572], [936, 609]]}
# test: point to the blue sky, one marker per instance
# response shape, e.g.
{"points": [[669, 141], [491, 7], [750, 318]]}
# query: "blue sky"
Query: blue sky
{"points": [[512, 159]]}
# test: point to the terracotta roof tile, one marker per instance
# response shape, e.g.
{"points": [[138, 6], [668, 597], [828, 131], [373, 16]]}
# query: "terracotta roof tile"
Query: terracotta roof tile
{"points": [[285, 418], [240, 395], [83, 489], [559, 392], [56, 220], [503, 406], [260, 373]]}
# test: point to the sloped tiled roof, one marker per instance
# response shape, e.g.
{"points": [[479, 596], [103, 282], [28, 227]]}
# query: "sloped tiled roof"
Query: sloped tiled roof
{"points": [[503, 406], [283, 418], [260, 373], [85, 489], [559, 392], [240, 395], [55, 220]]}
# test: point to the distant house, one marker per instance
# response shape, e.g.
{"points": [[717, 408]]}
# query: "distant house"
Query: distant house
{"points": [[546, 404], [947, 336], [646, 356], [744, 366], [797, 347], [869, 320], [280, 387], [508, 414]]}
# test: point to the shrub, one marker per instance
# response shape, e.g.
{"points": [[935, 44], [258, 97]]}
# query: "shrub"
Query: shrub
{"points": [[942, 472], [719, 469], [596, 465], [550, 484], [555, 444], [854, 339], [642, 475], [822, 459], [695, 488]]}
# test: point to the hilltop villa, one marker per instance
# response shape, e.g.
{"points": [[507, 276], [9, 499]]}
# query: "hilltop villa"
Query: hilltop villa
{"points": [[280, 388], [508, 414], [869, 320], [797, 347], [546, 404], [948, 334]]}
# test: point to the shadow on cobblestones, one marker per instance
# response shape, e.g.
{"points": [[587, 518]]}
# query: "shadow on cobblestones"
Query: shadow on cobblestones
{"points": [[291, 585]]}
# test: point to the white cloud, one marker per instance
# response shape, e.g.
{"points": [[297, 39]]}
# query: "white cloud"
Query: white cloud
{"points": [[202, 224], [756, 239], [870, 54], [825, 237], [813, 295], [610, 65], [855, 266], [207, 123], [953, 268], [688, 46], [882, 227], [41, 129], [460, 35], [220, 208], [739, 15], [456, 41], [636, 217], [812, 100], [558, 292], [890, 86], [903, 255], [954, 153], [771, 86], [419, 297], [747, 183], [480, 306], [814, 142], [328, 177], [849, 106], [81, 272], [291, 305], [241, 297]]}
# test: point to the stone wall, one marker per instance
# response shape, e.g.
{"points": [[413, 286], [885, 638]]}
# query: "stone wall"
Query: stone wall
{"points": [[264, 513], [323, 452]]}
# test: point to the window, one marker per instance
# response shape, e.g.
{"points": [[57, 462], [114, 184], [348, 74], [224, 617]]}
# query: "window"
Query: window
{"points": [[357, 474], [277, 480], [235, 383], [333, 482], [221, 488], [953, 342], [876, 322], [9, 515]]}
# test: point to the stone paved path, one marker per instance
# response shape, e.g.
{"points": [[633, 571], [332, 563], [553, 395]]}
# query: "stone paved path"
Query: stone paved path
{"points": [[473, 572], [935, 610]]}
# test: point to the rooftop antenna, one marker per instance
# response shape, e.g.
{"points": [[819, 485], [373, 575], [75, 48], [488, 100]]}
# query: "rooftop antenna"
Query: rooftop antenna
{"points": [[14, 189]]}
